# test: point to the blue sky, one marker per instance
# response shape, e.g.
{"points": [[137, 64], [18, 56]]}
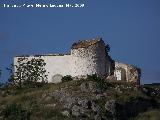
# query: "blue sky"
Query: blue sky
{"points": [[130, 27]]}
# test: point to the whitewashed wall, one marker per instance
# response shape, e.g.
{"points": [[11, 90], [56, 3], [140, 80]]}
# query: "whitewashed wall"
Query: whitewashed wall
{"points": [[81, 62], [55, 65], [90, 60], [58, 65]]}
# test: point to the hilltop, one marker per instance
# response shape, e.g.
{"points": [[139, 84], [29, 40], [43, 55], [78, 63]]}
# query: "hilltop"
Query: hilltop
{"points": [[84, 99]]}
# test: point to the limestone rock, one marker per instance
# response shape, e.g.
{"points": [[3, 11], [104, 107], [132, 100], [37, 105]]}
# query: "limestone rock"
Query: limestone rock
{"points": [[76, 110], [89, 87], [65, 113]]}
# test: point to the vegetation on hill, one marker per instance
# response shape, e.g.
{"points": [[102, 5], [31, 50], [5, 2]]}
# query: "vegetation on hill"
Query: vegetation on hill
{"points": [[27, 71], [87, 99]]}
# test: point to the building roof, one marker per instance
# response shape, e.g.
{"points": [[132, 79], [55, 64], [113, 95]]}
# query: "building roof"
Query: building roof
{"points": [[85, 43]]}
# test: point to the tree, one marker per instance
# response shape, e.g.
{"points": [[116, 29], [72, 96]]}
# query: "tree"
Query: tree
{"points": [[28, 71]]}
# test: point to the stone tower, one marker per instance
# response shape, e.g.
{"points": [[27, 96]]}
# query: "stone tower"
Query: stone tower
{"points": [[89, 57]]}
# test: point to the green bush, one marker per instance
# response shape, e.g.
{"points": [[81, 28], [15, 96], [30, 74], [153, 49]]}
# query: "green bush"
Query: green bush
{"points": [[93, 77], [67, 78]]}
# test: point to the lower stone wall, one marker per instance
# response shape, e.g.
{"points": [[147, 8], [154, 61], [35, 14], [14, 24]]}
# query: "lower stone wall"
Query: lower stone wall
{"points": [[127, 72]]}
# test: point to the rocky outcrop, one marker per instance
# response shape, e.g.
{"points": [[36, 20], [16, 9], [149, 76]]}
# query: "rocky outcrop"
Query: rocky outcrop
{"points": [[77, 106], [92, 103], [87, 99]]}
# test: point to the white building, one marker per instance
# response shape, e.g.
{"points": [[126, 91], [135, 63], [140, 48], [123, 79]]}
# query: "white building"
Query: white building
{"points": [[87, 57]]}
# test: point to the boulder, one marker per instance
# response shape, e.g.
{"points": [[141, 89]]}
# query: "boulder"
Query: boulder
{"points": [[89, 86]]}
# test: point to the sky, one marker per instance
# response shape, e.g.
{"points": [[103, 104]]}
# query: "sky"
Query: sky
{"points": [[130, 27]]}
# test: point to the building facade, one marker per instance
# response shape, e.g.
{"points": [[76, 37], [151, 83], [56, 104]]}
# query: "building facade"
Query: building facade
{"points": [[87, 57]]}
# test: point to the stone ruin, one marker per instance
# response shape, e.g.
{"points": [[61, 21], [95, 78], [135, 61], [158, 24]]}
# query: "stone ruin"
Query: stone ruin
{"points": [[87, 57]]}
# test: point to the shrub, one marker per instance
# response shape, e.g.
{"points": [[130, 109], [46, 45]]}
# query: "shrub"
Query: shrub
{"points": [[67, 78], [93, 77]]}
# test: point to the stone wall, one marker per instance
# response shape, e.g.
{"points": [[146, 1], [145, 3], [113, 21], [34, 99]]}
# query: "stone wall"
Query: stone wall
{"points": [[80, 63], [90, 60], [127, 72], [87, 57]]}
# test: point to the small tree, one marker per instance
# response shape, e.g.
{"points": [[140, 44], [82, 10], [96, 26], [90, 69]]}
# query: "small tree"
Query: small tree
{"points": [[28, 71]]}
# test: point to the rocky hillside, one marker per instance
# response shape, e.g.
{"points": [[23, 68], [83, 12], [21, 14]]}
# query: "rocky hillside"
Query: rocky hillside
{"points": [[85, 99]]}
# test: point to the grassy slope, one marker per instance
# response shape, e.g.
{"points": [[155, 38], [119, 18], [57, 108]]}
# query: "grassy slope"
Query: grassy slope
{"points": [[34, 103]]}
